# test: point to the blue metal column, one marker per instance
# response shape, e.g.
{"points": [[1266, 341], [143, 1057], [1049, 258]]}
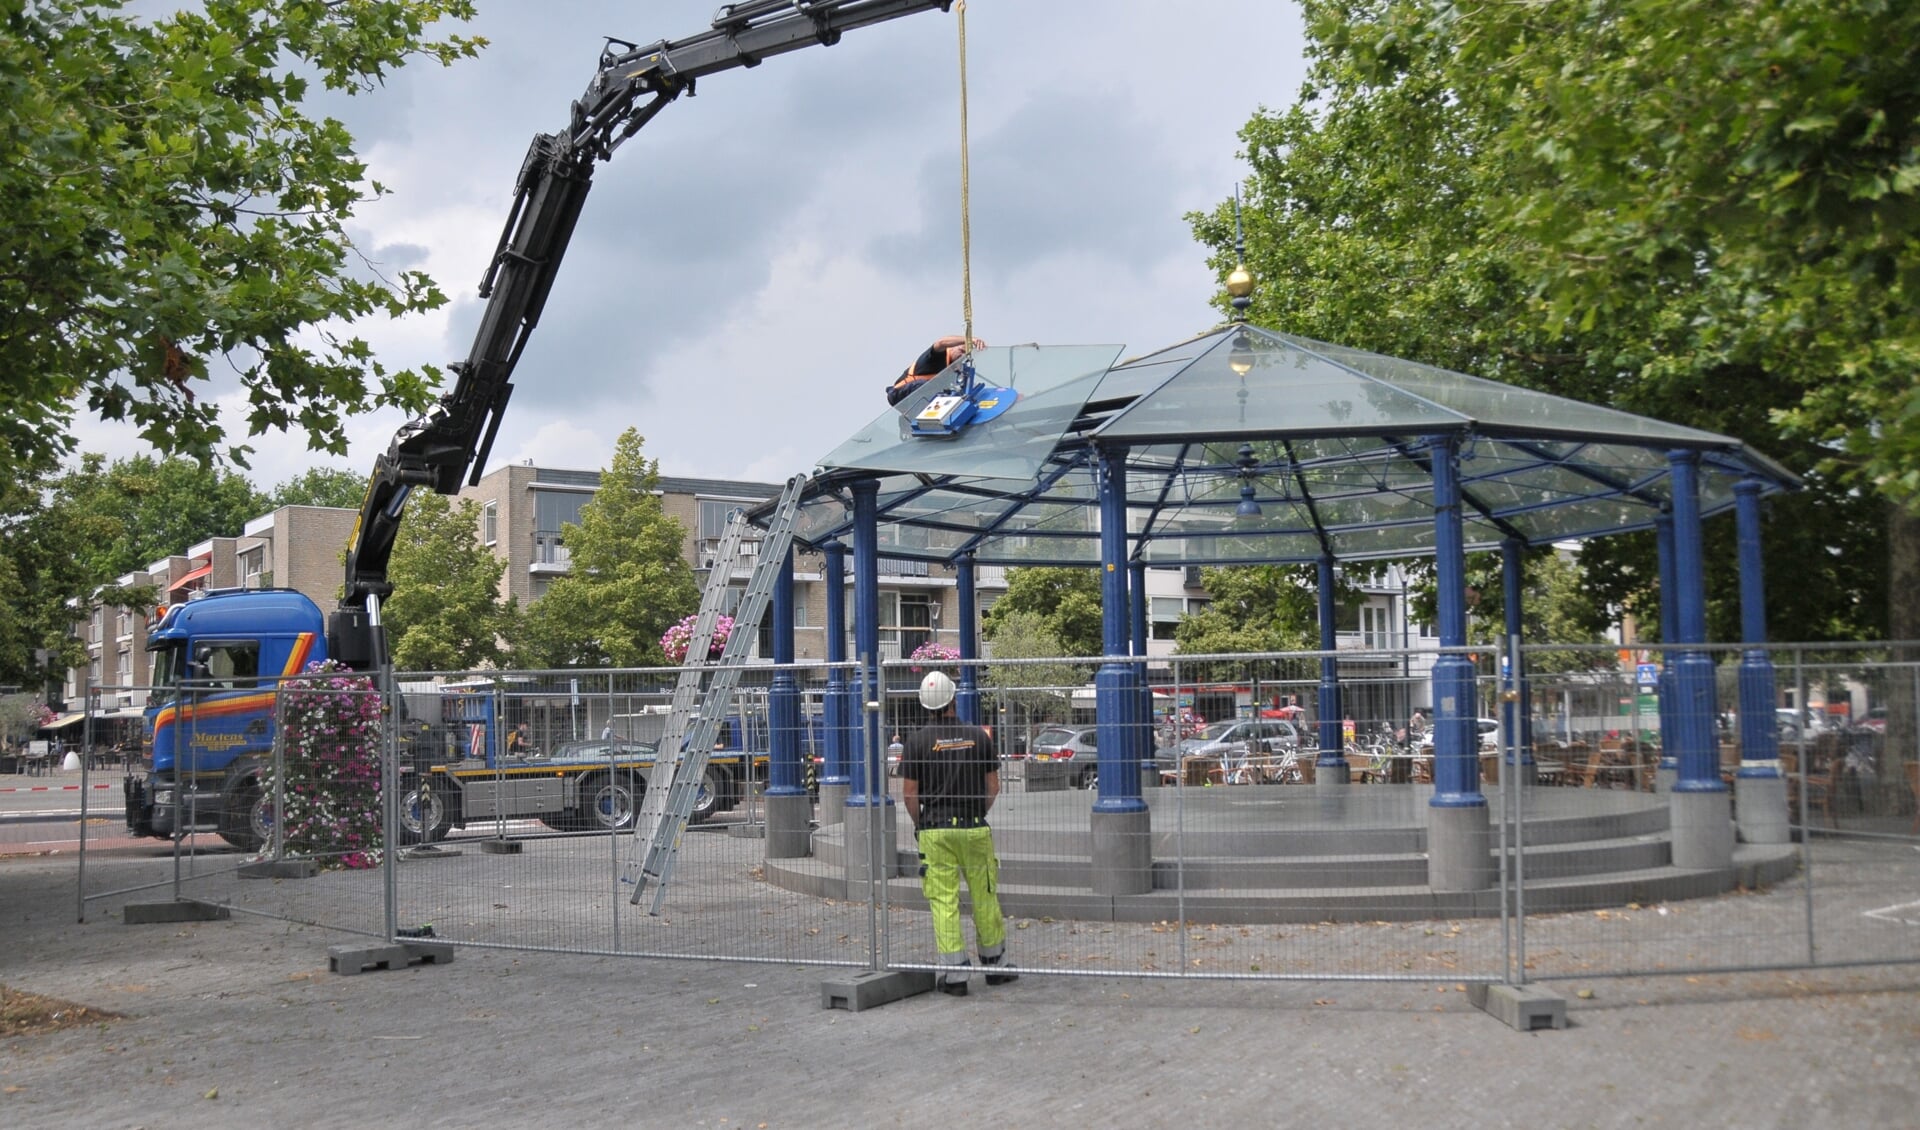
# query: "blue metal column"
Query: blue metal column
{"points": [[1120, 823], [1332, 761], [1760, 799], [783, 695], [840, 709], [789, 810], [869, 781], [1700, 806], [1456, 763], [1115, 685], [1669, 767], [872, 850], [967, 698], [1516, 718], [1459, 821], [1693, 677], [1140, 728]]}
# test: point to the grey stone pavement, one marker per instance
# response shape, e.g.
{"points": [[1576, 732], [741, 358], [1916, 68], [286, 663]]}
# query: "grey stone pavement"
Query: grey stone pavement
{"points": [[239, 1023]]}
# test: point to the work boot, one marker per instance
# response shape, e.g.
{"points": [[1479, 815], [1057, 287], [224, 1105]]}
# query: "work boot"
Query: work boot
{"points": [[1005, 975], [954, 983]]}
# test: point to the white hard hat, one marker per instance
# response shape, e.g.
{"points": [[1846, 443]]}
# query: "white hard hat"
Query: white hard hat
{"points": [[936, 690]]}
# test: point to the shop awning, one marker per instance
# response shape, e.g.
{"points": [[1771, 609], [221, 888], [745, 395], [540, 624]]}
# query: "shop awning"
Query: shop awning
{"points": [[63, 721], [190, 576]]}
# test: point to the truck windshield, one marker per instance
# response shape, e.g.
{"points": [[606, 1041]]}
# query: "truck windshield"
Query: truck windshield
{"points": [[167, 663]]}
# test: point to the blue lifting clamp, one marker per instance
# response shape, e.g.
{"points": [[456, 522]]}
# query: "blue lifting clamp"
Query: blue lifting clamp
{"points": [[962, 403]]}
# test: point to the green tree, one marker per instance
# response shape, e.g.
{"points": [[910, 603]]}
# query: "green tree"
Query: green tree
{"points": [[170, 199], [1066, 600], [139, 510], [68, 537], [1253, 608], [1397, 208], [446, 612], [320, 486], [1038, 691], [629, 581]]}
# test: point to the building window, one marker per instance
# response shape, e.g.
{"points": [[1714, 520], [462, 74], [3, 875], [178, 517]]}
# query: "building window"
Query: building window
{"points": [[713, 526], [253, 564], [713, 518], [1376, 625], [490, 521], [1163, 616]]}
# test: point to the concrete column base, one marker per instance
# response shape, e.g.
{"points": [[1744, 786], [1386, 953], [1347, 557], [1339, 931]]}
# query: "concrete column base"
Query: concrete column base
{"points": [[788, 833], [1760, 810], [1122, 853], [1663, 779], [1703, 830], [872, 843], [1459, 849], [1332, 776], [833, 804]]}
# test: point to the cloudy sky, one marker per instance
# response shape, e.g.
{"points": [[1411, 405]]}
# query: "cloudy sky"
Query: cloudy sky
{"points": [[757, 263]]}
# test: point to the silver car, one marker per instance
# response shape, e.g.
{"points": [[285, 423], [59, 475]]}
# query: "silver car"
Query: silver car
{"points": [[1069, 750]]}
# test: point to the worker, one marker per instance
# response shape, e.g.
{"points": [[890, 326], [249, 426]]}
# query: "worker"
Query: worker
{"points": [[930, 364], [518, 741], [950, 777]]}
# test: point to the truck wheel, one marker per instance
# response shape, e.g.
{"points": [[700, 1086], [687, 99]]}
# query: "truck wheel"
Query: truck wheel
{"points": [[424, 815], [246, 816], [610, 802], [714, 784]]}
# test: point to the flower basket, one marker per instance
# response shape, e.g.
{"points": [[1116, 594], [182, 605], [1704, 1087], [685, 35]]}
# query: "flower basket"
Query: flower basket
{"points": [[932, 654], [330, 732], [679, 638]]}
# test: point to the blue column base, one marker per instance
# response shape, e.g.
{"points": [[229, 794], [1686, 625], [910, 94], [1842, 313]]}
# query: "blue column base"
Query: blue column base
{"points": [[1695, 744], [1114, 696], [1759, 732], [1456, 744]]}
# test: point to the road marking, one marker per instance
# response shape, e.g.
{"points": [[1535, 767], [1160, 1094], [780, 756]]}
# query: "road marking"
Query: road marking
{"points": [[1906, 913], [49, 788]]}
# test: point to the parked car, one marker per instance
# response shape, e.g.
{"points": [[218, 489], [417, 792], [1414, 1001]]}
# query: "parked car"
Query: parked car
{"points": [[1488, 730], [1073, 744], [1233, 739]]}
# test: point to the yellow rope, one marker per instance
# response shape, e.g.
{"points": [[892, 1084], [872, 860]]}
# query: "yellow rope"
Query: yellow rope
{"points": [[966, 222]]}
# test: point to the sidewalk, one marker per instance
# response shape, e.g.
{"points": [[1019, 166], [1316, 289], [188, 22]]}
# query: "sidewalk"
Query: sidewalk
{"points": [[244, 1010]]}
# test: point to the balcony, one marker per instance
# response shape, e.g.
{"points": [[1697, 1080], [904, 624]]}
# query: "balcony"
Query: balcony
{"points": [[550, 557]]}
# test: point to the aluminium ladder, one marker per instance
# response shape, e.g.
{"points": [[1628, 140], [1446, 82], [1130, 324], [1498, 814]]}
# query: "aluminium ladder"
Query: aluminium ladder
{"points": [[705, 690]]}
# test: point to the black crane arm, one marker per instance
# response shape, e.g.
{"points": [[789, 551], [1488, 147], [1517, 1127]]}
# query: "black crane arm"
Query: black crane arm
{"points": [[450, 443]]}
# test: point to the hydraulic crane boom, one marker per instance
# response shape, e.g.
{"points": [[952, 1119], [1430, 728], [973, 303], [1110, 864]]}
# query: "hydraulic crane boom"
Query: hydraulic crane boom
{"points": [[632, 84]]}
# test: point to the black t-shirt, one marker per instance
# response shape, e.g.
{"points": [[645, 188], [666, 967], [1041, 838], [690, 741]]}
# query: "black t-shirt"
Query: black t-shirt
{"points": [[949, 762]]}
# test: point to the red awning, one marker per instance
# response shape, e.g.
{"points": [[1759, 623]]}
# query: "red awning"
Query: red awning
{"points": [[190, 576]]}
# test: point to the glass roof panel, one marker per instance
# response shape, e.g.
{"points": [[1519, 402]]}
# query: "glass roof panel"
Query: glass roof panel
{"points": [[1503, 406], [1250, 383], [1053, 383]]}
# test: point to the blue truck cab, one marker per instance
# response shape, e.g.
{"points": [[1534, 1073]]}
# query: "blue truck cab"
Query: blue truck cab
{"points": [[218, 660]]}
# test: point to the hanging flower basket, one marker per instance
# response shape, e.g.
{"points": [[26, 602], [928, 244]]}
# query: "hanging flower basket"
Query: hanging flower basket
{"points": [[680, 637], [932, 653]]}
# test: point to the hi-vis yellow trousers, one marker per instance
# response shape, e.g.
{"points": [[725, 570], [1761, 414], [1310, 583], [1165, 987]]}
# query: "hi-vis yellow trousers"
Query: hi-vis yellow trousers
{"points": [[951, 853]]}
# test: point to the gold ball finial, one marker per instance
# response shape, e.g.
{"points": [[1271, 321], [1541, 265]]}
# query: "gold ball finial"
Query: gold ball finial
{"points": [[1240, 282]]}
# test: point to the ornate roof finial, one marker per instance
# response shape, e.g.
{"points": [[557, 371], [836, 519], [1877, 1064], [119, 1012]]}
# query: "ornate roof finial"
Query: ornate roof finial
{"points": [[1239, 280]]}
